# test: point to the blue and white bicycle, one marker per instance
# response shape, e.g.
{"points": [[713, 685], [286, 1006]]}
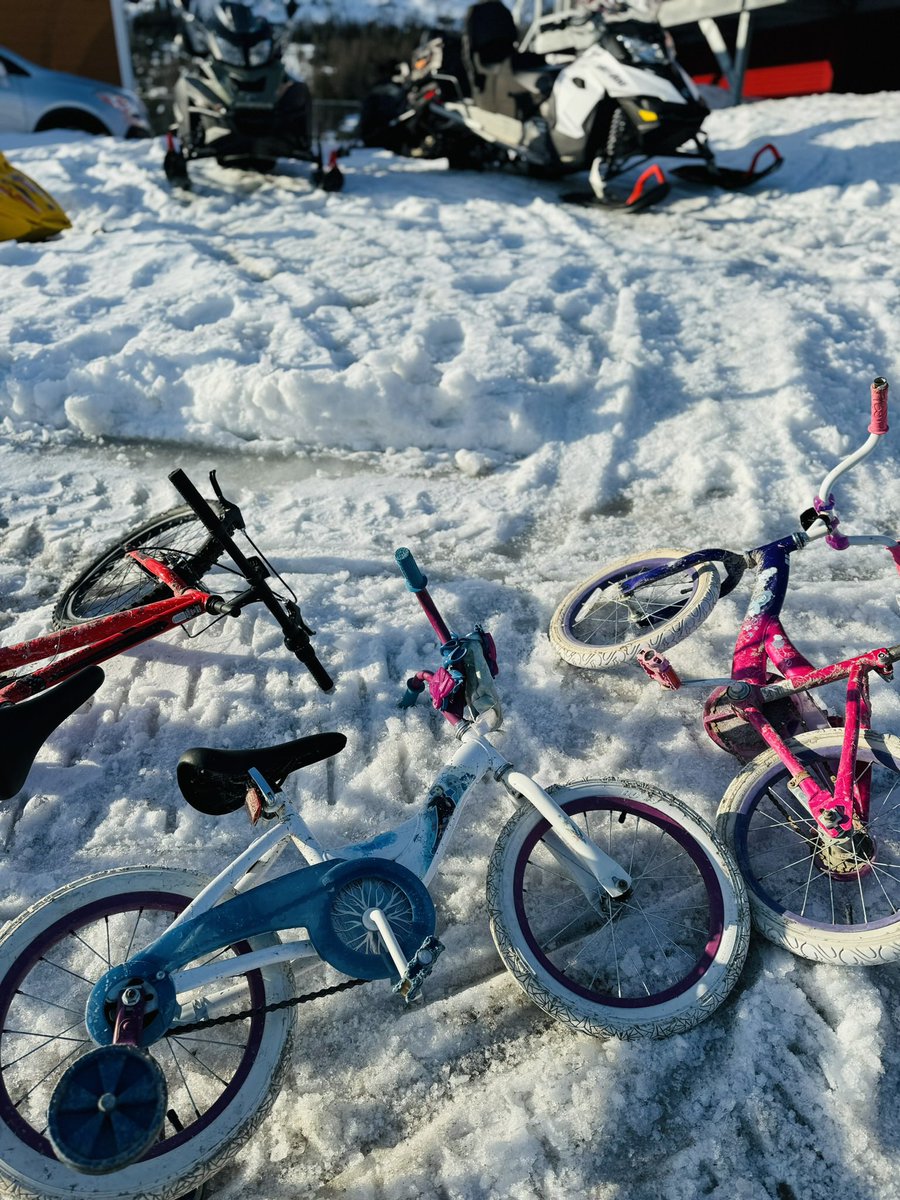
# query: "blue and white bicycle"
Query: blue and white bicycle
{"points": [[146, 1015]]}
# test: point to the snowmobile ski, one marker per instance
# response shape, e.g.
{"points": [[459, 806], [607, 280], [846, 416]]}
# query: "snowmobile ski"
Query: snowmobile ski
{"points": [[730, 178], [649, 188], [175, 164]]}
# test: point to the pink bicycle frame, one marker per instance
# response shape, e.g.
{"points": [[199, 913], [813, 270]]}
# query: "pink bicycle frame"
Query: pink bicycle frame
{"points": [[762, 640]]}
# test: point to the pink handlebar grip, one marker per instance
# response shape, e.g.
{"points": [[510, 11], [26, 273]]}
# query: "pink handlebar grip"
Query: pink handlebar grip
{"points": [[879, 406]]}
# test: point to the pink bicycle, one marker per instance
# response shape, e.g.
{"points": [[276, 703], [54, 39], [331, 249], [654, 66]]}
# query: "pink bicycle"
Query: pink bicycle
{"points": [[813, 819]]}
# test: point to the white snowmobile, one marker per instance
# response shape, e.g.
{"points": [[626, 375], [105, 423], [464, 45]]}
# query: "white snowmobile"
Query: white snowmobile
{"points": [[617, 99]]}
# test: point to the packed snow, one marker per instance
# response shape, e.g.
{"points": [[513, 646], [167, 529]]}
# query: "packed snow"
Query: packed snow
{"points": [[519, 391]]}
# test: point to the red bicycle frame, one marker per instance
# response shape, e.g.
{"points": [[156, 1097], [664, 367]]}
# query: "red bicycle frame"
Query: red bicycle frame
{"points": [[95, 641]]}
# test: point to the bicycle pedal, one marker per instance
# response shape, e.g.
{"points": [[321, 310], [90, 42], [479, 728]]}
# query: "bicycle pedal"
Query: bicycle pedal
{"points": [[658, 667], [418, 969]]}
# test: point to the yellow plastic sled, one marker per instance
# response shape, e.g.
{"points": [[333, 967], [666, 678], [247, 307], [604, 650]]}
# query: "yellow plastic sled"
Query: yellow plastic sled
{"points": [[27, 212]]}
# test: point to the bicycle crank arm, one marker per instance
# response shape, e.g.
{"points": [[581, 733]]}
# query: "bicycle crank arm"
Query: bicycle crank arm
{"points": [[413, 972], [611, 876]]}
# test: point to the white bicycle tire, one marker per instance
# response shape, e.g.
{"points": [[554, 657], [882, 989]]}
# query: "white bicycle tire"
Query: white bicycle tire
{"points": [[27, 1174], [842, 945], [659, 1019], [693, 610]]}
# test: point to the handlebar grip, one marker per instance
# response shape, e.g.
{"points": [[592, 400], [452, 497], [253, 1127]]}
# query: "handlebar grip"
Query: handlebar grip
{"points": [[415, 580], [307, 656], [192, 497], [879, 406]]}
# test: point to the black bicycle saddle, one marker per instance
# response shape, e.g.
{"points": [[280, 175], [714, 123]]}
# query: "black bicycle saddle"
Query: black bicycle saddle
{"points": [[215, 781], [24, 727]]}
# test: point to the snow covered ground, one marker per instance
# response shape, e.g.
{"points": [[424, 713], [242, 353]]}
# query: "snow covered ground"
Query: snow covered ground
{"points": [[518, 391]]}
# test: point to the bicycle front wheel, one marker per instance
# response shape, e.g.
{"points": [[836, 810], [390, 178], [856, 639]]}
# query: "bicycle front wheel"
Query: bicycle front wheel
{"points": [[655, 962], [220, 1081], [597, 626], [802, 897], [114, 582]]}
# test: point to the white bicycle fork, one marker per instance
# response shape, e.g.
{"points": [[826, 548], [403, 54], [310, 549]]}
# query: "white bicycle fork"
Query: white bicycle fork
{"points": [[583, 854]]}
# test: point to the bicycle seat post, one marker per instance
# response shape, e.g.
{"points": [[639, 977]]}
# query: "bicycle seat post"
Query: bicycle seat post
{"points": [[303, 837]]}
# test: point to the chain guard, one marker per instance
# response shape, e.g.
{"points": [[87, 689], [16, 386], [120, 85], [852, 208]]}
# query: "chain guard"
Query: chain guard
{"points": [[730, 732], [357, 886]]}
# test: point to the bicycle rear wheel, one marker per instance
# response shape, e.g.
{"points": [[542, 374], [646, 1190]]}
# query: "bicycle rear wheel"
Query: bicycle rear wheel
{"points": [[597, 626], [801, 898], [220, 1081], [113, 582], [655, 962]]}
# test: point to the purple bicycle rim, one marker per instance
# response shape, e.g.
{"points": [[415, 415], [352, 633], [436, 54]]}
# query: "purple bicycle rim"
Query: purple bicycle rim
{"points": [[645, 564], [716, 928], [152, 902]]}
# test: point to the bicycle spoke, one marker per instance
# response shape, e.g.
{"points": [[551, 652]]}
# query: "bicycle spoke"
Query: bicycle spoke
{"points": [[68, 971], [671, 941], [106, 961], [195, 1058], [55, 1068], [187, 1088], [51, 1003], [877, 877], [137, 922], [558, 934], [47, 1039]]}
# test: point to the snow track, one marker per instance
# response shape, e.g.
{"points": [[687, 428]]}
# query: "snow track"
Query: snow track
{"points": [[519, 391]]}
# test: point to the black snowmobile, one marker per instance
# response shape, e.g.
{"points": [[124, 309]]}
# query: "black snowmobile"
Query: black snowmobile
{"points": [[235, 102], [609, 98]]}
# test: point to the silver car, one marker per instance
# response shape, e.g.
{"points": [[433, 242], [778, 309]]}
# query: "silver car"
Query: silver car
{"points": [[33, 98]]}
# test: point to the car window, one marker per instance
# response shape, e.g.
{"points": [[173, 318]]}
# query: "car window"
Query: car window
{"points": [[11, 68]]}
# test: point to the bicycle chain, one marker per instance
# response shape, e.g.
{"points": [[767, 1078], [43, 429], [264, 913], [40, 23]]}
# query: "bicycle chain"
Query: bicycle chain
{"points": [[177, 1030]]}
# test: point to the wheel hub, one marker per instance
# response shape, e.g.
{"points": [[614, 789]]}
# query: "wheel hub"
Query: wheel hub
{"points": [[848, 858]]}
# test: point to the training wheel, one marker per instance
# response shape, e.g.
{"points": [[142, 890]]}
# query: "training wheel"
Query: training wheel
{"points": [[107, 1110]]}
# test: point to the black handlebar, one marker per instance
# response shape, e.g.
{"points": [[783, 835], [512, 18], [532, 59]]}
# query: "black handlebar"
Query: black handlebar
{"points": [[304, 653], [296, 633], [201, 507]]}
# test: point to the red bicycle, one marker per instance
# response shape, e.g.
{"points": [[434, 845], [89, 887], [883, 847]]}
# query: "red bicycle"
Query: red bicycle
{"points": [[145, 585]]}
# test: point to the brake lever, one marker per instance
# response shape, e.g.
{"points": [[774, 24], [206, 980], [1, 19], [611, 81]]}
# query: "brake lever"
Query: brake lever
{"points": [[229, 505], [296, 615]]}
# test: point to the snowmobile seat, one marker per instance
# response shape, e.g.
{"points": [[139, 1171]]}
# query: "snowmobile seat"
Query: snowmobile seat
{"points": [[24, 727], [504, 80], [490, 32]]}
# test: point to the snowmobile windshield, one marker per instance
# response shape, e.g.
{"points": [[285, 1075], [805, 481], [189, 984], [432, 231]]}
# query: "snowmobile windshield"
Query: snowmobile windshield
{"points": [[625, 10], [636, 42], [239, 37]]}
